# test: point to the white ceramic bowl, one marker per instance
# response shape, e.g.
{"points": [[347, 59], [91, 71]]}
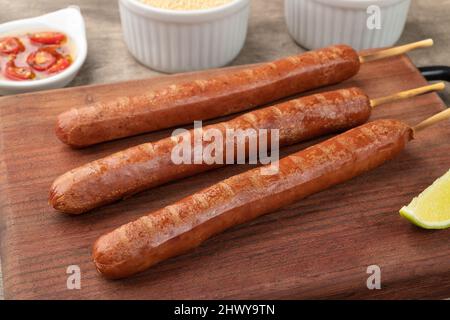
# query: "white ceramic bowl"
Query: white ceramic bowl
{"points": [[68, 21], [178, 41], [319, 23]]}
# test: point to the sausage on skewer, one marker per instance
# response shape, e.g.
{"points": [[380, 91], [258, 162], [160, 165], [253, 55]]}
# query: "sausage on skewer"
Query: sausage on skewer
{"points": [[205, 97]]}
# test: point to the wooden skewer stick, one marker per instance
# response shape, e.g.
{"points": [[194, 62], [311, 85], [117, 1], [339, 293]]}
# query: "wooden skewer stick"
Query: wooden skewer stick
{"points": [[407, 94], [395, 51], [441, 116]]}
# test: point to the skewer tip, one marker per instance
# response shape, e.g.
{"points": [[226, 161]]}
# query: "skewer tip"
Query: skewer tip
{"points": [[439, 86], [441, 116], [395, 51], [407, 94], [426, 43]]}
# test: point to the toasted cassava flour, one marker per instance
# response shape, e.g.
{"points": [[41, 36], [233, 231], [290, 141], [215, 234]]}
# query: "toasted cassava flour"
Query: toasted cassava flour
{"points": [[186, 4]]}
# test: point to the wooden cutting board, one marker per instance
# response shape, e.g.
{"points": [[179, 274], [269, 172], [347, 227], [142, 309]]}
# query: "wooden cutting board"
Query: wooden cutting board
{"points": [[319, 247]]}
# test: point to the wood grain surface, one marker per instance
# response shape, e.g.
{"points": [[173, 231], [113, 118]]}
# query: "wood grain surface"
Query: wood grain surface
{"points": [[319, 247]]}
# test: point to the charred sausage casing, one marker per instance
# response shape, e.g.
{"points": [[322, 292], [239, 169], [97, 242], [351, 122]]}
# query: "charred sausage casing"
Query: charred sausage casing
{"points": [[205, 96], [149, 165], [184, 225]]}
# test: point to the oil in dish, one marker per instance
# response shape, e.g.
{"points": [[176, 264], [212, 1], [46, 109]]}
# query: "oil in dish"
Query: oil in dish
{"points": [[34, 56]]}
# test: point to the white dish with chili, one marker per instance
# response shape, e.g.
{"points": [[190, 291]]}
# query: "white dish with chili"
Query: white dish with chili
{"points": [[42, 53]]}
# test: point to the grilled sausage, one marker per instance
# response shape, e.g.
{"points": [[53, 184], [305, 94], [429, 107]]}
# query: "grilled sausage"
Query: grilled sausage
{"points": [[205, 97], [149, 165], [184, 225]]}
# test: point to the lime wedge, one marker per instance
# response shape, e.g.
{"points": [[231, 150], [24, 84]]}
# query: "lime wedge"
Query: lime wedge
{"points": [[431, 209]]}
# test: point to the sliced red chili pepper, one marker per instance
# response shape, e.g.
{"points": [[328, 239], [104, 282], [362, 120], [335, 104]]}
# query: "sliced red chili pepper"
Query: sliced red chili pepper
{"points": [[18, 73], [41, 59], [60, 65], [47, 37], [11, 45]]}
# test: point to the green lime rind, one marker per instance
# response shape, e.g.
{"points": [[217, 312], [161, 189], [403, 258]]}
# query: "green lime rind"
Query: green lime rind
{"points": [[407, 214]]}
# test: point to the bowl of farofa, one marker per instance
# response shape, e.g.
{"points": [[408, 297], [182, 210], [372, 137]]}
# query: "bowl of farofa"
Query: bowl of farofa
{"points": [[184, 35]]}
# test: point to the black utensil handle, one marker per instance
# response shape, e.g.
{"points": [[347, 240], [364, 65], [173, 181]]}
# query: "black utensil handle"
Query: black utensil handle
{"points": [[434, 73]]}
